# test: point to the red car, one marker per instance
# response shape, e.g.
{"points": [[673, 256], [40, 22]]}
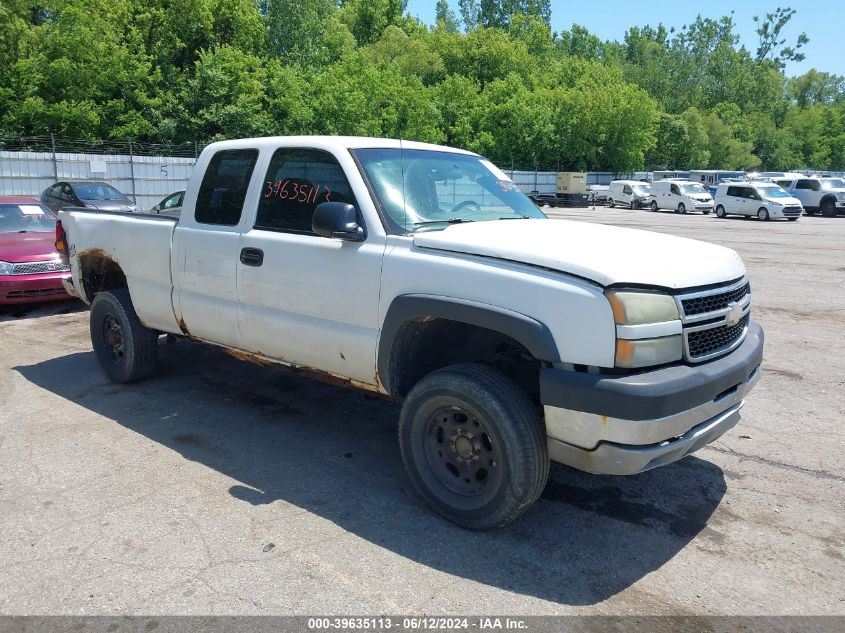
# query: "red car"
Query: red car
{"points": [[30, 269]]}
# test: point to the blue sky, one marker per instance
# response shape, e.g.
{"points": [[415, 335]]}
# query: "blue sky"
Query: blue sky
{"points": [[821, 20]]}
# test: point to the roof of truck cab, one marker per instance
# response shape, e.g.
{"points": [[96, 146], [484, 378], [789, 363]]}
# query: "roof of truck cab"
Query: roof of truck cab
{"points": [[331, 142]]}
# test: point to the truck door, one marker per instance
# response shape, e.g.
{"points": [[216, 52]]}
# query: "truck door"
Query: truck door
{"points": [[205, 248], [306, 299]]}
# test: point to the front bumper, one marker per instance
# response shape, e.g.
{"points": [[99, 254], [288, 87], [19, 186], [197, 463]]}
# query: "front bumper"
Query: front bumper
{"points": [[16, 289], [622, 425]]}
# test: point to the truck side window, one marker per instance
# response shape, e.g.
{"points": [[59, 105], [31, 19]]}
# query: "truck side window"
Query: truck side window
{"points": [[812, 185], [223, 189], [297, 181]]}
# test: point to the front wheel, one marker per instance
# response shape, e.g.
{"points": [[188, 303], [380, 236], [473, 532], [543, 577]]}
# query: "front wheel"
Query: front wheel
{"points": [[828, 209], [762, 214], [720, 211], [125, 349], [610, 202], [682, 208], [654, 205], [473, 445], [792, 219]]}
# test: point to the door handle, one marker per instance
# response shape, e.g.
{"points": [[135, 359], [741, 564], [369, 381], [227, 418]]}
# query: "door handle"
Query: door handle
{"points": [[252, 256]]}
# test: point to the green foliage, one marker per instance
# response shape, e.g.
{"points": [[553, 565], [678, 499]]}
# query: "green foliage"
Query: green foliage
{"points": [[505, 86]]}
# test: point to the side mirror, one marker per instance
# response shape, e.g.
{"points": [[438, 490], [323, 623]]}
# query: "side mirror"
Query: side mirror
{"points": [[156, 208], [338, 220]]}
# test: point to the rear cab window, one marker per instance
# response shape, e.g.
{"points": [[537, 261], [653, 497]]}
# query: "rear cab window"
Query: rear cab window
{"points": [[223, 190], [297, 180]]}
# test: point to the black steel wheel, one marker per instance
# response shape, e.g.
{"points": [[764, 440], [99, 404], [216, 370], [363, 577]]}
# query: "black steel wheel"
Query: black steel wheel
{"points": [[828, 208], [473, 445], [126, 350]]}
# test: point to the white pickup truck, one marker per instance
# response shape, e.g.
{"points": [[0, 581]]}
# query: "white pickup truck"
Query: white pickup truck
{"points": [[422, 272]]}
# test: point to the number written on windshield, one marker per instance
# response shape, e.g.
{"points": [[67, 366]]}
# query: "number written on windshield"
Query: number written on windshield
{"points": [[297, 192]]}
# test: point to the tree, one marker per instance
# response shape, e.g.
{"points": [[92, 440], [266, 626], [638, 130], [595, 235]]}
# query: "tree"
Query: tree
{"points": [[444, 17], [367, 19], [771, 45], [297, 31], [726, 151]]}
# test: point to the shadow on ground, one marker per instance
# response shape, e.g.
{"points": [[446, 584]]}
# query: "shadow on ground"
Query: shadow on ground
{"points": [[16, 311], [333, 452]]}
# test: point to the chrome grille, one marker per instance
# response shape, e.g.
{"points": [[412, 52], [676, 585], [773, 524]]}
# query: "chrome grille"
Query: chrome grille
{"points": [[35, 268], [703, 342], [709, 303], [715, 321]]}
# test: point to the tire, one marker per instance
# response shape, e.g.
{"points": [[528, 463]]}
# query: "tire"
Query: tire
{"points": [[125, 349], [720, 211], [828, 208], [473, 445], [682, 207], [810, 211], [706, 211], [792, 219], [610, 202], [631, 205], [654, 206], [762, 214]]}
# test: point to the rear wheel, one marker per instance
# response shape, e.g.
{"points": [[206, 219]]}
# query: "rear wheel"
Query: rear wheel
{"points": [[810, 211], [762, 214], [473, 445], [125, 349], [720, 211], [828, 208], [654, 205]]}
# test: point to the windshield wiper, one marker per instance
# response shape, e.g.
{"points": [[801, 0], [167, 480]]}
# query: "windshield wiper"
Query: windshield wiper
{"points": [[450, 221], [517, 217]]}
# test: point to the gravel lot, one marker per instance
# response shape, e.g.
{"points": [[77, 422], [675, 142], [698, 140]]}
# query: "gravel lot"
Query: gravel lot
{"points": [[221, 487]]}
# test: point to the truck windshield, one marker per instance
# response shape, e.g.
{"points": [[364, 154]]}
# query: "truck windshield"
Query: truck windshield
{"points": [[26, 218], [693, 188], [423, 190], [98, 192]]}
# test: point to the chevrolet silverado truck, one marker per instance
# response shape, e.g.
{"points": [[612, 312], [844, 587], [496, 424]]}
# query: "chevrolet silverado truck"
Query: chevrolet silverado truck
{"points": [[422, 273]]}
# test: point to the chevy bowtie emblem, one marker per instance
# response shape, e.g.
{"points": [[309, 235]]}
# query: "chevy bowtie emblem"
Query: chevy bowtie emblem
{"points": [[735, 315]]}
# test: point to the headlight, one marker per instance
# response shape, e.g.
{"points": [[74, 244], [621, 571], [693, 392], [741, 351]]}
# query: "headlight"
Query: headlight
{"points": [[646, 352], [646, 325], [6, 268], [636, 308]]}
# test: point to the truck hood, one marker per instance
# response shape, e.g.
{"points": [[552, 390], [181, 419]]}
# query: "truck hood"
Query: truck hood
{"points": [[604, 254]]}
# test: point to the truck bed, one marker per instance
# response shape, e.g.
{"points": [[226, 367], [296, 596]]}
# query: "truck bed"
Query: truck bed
{"points": [[140, 244]]}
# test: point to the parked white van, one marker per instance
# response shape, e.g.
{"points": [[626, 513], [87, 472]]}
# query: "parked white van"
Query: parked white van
{"points": [[631, 193], [766, 200], [681, 196]]}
